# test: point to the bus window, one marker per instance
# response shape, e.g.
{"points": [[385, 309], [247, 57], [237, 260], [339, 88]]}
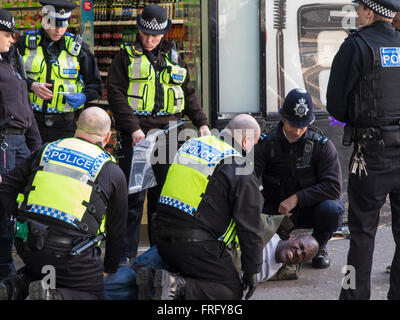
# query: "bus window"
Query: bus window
{"points": [[322, 29]]}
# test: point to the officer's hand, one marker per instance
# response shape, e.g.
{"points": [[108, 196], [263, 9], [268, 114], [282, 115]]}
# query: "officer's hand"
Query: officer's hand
{"points": [[249, 281], [137, 136], [76, 100], [286, 206], [204, 131], [41, 90]]}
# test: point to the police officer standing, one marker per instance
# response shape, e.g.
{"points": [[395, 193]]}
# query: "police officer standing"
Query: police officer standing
{"points": [[62, 72], [301, 173], [67, 193], [148, 87], [19, 134], [364, 92]]}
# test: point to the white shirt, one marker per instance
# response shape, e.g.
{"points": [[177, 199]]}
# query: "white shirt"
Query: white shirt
{"points": [[269, 265]]}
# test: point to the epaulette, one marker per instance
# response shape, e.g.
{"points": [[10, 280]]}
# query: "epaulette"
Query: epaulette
{"points": [[318, 135], [69, 34]]}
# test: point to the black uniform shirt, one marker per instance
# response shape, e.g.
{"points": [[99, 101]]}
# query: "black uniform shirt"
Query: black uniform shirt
{"points": [[113, 183], [88, 66]]}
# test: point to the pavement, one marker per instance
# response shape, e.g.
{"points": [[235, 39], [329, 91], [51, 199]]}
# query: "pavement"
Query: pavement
{"points": [[325, 284]]}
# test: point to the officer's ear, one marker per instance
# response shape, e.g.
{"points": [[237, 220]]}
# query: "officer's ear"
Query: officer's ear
{"points": [[106, 139]]}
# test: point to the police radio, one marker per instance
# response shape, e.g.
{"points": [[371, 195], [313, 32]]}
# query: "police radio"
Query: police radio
{"points": [[32, 40], [77, 44]]}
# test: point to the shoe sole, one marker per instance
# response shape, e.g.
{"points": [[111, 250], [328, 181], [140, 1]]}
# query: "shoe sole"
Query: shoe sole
{"points": [[142, 281], [161, 285], [3, 292]]}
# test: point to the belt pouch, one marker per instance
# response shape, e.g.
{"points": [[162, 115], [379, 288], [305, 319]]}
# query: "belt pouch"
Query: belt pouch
{"points": [[37, 235]]}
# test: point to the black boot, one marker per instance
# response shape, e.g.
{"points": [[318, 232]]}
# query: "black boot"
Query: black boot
{"points": [[144, 281], [14, 287], [168, 286], [321, 260], [38, 292]]}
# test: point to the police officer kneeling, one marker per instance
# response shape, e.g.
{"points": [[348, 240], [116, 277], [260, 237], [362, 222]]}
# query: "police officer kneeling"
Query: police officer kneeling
{"points": [[301, 173], [64, 192]]}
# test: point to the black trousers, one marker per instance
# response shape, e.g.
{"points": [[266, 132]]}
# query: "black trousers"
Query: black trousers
{"points": [[77, 277], [207, 268], [136, 200], [366, 197], [58, 130]]}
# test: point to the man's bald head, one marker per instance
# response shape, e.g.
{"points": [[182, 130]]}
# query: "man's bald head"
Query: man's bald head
{"points": [[245, 130], [94, 124]]}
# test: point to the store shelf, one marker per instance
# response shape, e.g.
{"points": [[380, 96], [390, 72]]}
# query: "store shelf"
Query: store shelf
{"points": [[126, 22], [110, 48], [19, 5]]}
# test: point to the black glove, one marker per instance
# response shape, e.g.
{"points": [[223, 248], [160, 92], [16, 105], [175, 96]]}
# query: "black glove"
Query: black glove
{"points": [[249, 280]]}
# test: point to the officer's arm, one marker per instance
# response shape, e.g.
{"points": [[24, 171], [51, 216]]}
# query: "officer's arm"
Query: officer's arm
{"points": [[192, 107], [116, 217], [345, 71], [329, 185], [117, 88], [15, 182], [248, 203], [93, 84]]}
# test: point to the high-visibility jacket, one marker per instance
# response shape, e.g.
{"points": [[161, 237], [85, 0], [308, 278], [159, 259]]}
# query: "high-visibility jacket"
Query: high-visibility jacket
{"points": [[63, 73], [63, 185], [149, 89], [194, 163]]}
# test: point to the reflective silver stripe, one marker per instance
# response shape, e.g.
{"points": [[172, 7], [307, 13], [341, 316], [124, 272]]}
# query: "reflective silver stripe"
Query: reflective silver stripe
{"points": [[135, 68], [67, 172], [71, 62], [134, 91], [69, 86], [179, 98], [29, 60]]}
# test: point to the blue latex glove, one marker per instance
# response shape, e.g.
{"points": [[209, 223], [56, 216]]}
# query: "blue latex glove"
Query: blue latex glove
{"points": [[76, 100]]}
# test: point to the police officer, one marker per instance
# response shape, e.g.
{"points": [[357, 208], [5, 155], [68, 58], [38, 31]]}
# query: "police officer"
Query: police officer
{"points": [[364, 92], [62, 72], [221, 202], [148, 87], [300, 172], [67, 193], [19, 134]]}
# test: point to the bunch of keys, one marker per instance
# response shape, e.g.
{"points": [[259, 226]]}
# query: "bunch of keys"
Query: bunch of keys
{"points": [[358, 165]]}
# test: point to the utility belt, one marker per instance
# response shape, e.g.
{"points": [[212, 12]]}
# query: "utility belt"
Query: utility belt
{"points": [[18, 131], [37, 236], [184, 236], [49, 118], [376, 139]]}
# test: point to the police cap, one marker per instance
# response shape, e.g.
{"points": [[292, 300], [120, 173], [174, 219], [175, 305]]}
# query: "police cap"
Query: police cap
{"points": [[60, 10], [153, 20], [384, 8], [297, 108], [7, 21]]}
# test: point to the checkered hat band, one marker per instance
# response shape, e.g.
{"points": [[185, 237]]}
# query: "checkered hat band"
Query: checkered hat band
{"points": [[152, 25], [6, 23], [379, 9]]}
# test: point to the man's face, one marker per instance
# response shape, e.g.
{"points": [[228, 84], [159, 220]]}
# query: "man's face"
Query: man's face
{"points": [[396, 21], [57, 33], [150, 41], [6, 40], [365, 15], [297, 249], [293, 133]]}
